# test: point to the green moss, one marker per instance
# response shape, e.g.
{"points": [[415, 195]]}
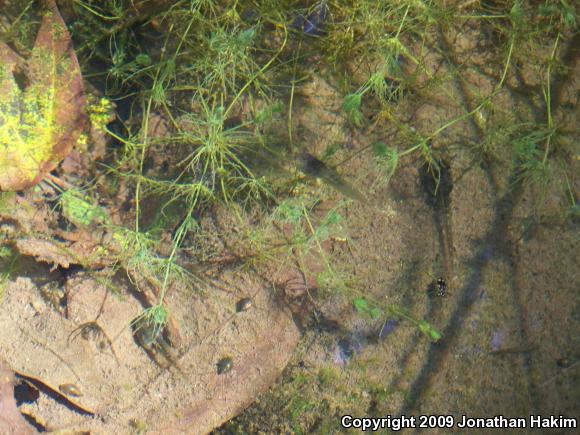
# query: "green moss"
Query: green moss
{"points": [[101, 112], [80, 210]]}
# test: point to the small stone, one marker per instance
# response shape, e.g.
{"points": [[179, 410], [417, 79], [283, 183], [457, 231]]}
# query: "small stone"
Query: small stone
{"points": [[244, 304], [224, 365]]}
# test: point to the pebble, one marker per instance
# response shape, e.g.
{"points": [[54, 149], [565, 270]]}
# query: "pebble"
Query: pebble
{"points": [[224, 365]]}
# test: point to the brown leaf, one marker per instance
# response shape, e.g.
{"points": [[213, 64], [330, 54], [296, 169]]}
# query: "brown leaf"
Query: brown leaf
{"points": [[65, 78], [11, 421], [45, 251]]}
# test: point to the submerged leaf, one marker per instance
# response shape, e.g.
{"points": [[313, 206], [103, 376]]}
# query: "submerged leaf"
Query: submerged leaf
{"points": [[40, 123], [11, 421]]}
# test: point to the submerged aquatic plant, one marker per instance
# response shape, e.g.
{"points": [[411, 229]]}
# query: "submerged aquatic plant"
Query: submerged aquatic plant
{"points": [[370, 308], [531, 165], [227, 62], [215, 163], [351, 106], [387, 158], [363, 307], [384, 88], [150, 323]]}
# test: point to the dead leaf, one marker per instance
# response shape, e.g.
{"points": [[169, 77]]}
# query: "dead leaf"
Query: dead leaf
{"points": [[45, 251], [40, 124], [11, 421], [84, 251]]}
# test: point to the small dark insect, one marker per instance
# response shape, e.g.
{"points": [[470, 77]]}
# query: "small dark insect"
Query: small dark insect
{"points": [[437, 288], [244, 304], [224, 365], [70, 390], [441, 287]]}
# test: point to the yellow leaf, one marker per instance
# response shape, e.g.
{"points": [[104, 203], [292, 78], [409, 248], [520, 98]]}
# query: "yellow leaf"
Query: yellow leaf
{"points": [[40, 123]]}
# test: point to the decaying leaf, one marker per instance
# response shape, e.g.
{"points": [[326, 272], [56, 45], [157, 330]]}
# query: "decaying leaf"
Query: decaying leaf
{"points": [[45, 251], [10, 419], [40, 123]]}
